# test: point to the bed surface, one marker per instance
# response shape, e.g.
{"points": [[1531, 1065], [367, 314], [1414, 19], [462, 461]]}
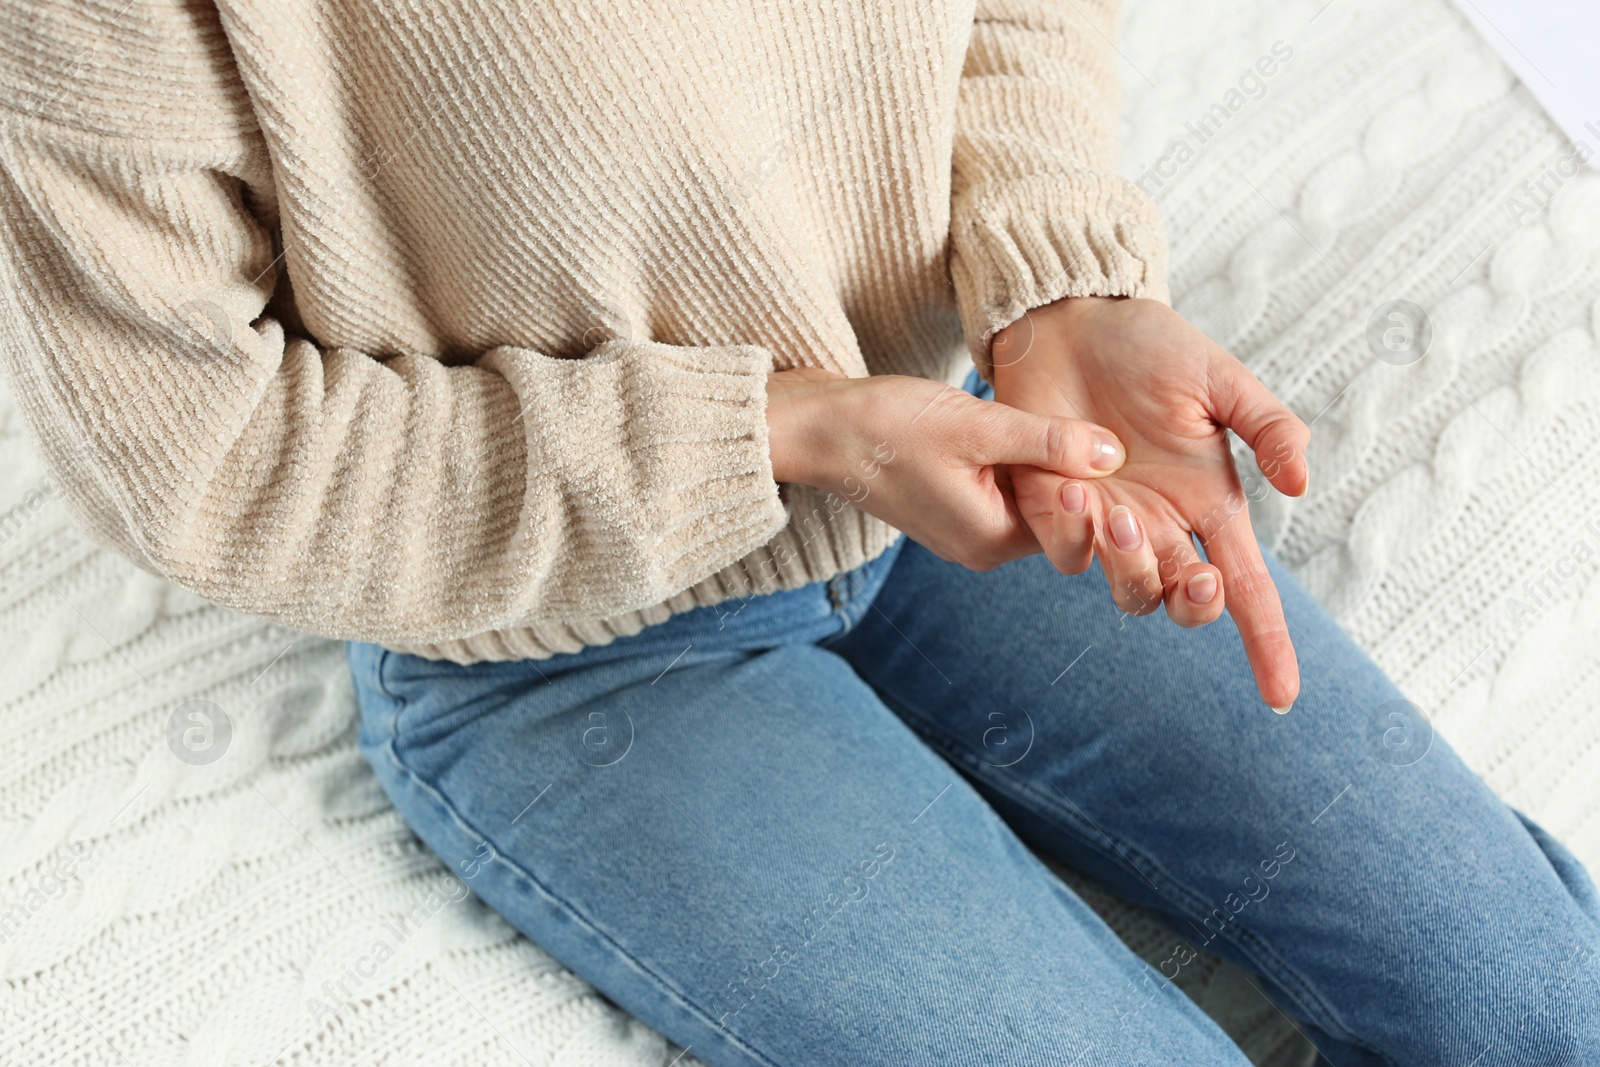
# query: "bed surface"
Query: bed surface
{"points": [[1453, 525]]}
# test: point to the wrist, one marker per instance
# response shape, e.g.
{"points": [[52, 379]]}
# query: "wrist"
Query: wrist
{"points": [[802, 420], [1017, 351]]}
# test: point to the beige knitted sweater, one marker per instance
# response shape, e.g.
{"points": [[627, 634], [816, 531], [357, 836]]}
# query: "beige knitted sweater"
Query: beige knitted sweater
{"points": [[446, 325]]}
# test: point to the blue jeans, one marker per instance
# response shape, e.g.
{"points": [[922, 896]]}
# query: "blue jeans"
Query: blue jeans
{"points": [[796, 829]]}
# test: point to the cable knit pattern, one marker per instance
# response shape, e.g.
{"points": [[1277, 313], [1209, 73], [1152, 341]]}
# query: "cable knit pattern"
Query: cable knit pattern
{"points": [[406, 328], [1454, 519], [200, 909]]}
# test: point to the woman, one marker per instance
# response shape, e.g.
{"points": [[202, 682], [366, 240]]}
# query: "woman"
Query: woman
{"points": [[581, 364]]}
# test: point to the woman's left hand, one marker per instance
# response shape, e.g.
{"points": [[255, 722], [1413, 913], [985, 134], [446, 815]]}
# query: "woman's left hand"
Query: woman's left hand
{"points": [[1170, 394]]}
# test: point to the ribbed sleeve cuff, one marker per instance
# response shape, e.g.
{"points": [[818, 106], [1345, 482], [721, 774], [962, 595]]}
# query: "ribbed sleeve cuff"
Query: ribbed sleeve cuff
{"points": [[1027, 242], [653, 462], [698, 423]]}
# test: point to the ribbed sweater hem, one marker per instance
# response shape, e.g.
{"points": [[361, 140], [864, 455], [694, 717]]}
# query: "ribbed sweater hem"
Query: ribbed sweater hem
{"points": [[814, 546]]}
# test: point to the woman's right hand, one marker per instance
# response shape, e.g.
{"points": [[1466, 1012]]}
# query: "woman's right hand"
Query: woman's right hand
{"points": [[925, 457]]}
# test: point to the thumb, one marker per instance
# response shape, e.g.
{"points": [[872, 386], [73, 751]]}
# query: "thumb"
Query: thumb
{"points": [[1273, 432], [1070, 447]]}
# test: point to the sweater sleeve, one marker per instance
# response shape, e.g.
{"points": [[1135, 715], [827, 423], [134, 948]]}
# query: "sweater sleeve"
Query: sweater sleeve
{"points": [[395, 500], [1038, 212]]}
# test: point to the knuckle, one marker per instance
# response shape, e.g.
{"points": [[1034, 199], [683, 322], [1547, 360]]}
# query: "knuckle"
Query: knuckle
{"points": [[1145, 606], [1171, 565], [1253, 586], [1139, 595], [1064, 440]]}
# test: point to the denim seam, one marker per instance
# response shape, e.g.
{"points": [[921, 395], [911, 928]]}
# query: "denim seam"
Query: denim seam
{"points": [[1026, 792], [573, 912]]}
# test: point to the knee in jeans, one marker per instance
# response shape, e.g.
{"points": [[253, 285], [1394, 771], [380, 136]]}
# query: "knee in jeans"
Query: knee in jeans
{"points": [[1555, 1024], [1564, 1036], [1567, 867]]}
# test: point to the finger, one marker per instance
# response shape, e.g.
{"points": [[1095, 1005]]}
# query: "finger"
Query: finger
{"points": [[1058, 511], [1274, 433], [1069, 447], [1193, 587], [1195, 598], [1253, 602], [1129, 561], [1002, 532]]}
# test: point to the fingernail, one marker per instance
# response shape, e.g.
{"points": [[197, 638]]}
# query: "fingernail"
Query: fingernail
{"points": [[1283, 710], [1202, 587], [1125, 529], [1074, 499], [1107, 452]]}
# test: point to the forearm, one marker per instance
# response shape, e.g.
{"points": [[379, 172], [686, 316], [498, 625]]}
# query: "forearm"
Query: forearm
{"points": [[401, 499]]}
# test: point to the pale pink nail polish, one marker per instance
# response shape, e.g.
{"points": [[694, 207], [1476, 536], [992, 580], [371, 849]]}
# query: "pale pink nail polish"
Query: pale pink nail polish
{"points": [[1107, 453], [1074, 499], [1203, 587], [1125, 529]]}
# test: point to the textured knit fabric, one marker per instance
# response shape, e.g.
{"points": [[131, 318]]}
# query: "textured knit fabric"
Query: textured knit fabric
{"points": [[448, 327]]}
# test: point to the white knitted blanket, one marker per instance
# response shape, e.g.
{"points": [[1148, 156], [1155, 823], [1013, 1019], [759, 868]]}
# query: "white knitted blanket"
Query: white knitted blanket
{"points": [[155, 911]]}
